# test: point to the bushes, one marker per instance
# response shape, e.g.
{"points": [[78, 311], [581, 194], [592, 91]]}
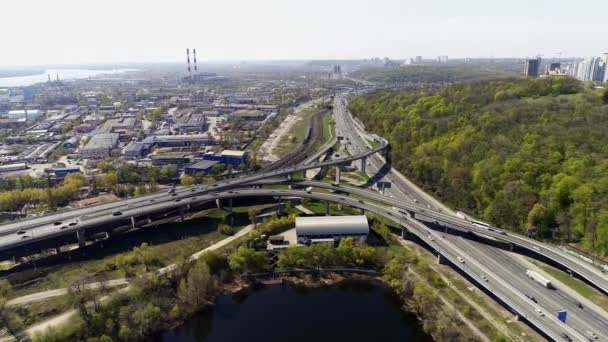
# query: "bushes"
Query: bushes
{"points": [[225, 229], [247, 260], [150, 305], [277, 224], [348, 253]]}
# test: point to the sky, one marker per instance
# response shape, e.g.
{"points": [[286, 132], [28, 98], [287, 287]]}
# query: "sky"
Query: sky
{"points": [[119, 31]]}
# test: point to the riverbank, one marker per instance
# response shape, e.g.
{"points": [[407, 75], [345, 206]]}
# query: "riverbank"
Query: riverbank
{"points": [[352, 309]]}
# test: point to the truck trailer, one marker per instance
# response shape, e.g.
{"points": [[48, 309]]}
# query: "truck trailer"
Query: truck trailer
{"points": [[539, 279]]}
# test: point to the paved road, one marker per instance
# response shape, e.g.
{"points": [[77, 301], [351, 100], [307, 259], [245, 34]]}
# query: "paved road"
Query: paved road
{"points": [[508, 270]]}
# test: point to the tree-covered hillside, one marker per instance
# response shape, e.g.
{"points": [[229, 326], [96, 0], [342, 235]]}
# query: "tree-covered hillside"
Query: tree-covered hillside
{"points": [[437, 73], [518, 153]]}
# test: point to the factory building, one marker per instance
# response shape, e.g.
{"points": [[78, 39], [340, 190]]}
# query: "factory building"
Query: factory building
{"points": [[136, 150], [100, 145], [228, 157], [179, 140], [332, 228], [28, 115], [203, 166], [61, 172]]}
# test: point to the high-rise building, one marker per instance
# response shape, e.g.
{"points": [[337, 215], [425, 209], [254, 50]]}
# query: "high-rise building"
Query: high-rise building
{"points": [[442, 59], [532, 67], [418, 59], [605, 79]]}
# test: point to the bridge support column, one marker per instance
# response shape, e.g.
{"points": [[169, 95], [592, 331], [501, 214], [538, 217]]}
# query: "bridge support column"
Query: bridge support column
{"points": [[362, 211], [218, 203], [133, 222], [289, 179], [57, 250], [230, 205], [511, 246], [403, 233], [338, 174], [81, 238], [363, 164], [181, 214], [326, 208], [440, 259]]}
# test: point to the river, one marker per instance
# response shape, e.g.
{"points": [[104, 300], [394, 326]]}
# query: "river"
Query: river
{"points": [[64, 74], [353, 311]]}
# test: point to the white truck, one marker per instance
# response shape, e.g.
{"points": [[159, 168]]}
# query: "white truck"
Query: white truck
{"points": [[539, 279]]}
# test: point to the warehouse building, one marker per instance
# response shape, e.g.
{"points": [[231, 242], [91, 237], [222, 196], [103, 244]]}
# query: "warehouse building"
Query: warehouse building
{"points": [[179, 140], [332, 228], [100, 145], [228, 157], [203, 166]]}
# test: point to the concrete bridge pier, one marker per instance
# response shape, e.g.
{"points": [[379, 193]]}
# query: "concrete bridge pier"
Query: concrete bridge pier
{"points": [[362, 211], [230, 205], [440, 259], [80, 234], [363, 164], [511, 246], [403, 233], [338, 174], [133, 222], [289, 179], [326, 208], [218, 203]]}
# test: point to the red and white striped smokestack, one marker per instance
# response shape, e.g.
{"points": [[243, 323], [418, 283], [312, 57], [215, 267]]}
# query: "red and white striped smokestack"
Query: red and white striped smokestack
{"points": [[188, 59], [195, 68]]}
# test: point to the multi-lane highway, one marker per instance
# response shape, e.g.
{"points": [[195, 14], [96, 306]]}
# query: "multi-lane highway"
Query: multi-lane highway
{"points": [[404, 202], [506, 267]]}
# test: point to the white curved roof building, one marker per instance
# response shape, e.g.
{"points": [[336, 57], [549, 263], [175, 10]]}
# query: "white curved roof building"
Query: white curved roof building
{"points": [[320, 227]]}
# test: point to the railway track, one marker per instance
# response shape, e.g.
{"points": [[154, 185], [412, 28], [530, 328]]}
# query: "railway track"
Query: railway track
{"points": [[311, 139]]}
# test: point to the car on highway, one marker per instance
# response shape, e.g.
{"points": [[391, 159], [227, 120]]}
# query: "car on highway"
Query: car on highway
{"points": [[116, 213], [591, 335], [431, 238], [539, 312], [20, 232], [565, 337], [484, 278], [532, 298], [459, 258], [56, 223], [537, 249], [25, 237]]}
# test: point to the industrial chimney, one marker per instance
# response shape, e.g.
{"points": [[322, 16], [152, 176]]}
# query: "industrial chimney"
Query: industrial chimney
{"points": [[195, 68], [188, 59]]}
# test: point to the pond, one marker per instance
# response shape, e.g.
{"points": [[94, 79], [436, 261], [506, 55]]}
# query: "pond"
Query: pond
{"points": [[353, 310]]}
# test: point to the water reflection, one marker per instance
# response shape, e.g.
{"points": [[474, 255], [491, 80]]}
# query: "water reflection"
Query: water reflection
{"points": [[353, 310]]}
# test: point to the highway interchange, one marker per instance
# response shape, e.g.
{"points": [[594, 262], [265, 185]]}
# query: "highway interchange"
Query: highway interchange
{"points": [[402, 202]]}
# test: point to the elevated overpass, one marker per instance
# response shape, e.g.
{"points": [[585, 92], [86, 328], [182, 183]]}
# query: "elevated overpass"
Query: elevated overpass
{"points": [[26, 236]]}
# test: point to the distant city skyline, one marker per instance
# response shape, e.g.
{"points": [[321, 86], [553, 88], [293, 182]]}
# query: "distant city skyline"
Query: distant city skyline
{"points": [[112, 31]]}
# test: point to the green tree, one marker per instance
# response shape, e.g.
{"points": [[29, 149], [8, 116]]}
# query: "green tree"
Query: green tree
{"points": [[247, 260], [195, 288]]}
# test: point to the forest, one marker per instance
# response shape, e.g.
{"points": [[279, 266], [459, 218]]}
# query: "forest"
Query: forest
{"points": [[438, 73], [529, 155]]}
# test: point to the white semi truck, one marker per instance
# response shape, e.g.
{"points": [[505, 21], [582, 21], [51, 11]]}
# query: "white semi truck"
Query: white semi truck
{"points": [[539, 278]]}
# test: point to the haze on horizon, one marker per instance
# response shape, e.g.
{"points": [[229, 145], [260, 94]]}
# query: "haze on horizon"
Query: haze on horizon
{"points": [[112, 31]]}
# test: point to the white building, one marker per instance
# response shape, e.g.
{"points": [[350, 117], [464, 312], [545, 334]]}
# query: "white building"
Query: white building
{"points": [[326, 228], [28, 115]]}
